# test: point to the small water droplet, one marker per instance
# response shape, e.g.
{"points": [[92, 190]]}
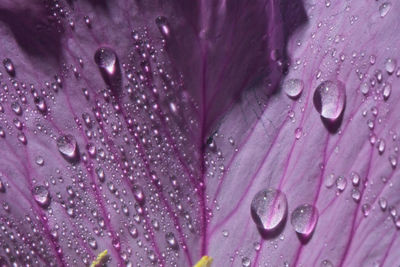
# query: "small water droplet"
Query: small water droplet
{"points": [[16, 107], [42, 196], [381, 146], [329, 99], [304, 219], [293, 87], [393, 161], [162, 24], [269, 208], [390, 65], [100, 174], [341, 183], [138, 194], [364, 88], [9, 66], [384, 9], [355, 194], [387, 90], [383, 203], [366, 208], [298, 132], [68, 148], [246, 262], [41, 104], [107, 61], [171, 240], [355, 178], [39, 161]]}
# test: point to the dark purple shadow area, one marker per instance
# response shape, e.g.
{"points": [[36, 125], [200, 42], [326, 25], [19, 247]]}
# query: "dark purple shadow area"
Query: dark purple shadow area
{"points": [[34, 34], [225, 49]]}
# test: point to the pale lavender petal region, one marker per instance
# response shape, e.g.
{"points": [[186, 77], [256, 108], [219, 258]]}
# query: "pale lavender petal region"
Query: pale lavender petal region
{"points": [[291, 148]]}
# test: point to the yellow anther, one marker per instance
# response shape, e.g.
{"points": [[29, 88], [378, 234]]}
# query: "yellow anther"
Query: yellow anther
{"points": [[205, 261], [100, 258]]}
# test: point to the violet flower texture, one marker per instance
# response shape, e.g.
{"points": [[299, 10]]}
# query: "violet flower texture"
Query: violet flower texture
{"points": [[199, 133]]}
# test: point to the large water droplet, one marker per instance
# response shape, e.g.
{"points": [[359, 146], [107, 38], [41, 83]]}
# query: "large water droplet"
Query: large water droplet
{"points": [[304, 218], [42, 196], [9, 66], [293, 87], [107, 61], [68, 148], [269, 208], [329, 99]]}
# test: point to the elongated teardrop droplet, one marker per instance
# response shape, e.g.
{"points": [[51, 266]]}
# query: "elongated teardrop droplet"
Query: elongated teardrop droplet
{"points": [[162, 24], [269, 208], [107, 61], [329, 99], [68, 148], [304, 219]]}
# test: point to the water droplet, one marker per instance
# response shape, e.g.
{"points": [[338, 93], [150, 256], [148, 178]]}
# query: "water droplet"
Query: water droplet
{"points": [[384, 9], [390, 65], [387, 90], [100, 174], [2, 187], [381, 146], [68, 148], [22, 138], [364, 88], [269, 208], [366, 208], [16, 107], [92, 243], [138, 194], [298, 132], [9, 66], [393, 161], [162, 24], [329, 99], [355, 178], [355, 194], [107, 61], [41, 104], [246, 262], [341, 183], [133, 231], [383, 203], [171, 240], [304, 218], [42, 196], [39, 161], [293, 87]]}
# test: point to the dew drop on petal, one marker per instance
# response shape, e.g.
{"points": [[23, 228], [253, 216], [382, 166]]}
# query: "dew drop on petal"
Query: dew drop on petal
{"points": [[390, 65], [387, 90], [383, 203], [355, 194], [246, 262], [355, 178], [9, 66], [162, 24], [293, 87], [341, 183], [329, 99], [42, 196], [384, 9], [326, 263], [107, 61], [68, 148], [171, 240], [269, 208], [366, 208], [304, 219]]}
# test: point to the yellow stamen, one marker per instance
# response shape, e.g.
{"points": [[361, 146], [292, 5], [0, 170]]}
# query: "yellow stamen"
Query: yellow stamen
{"points": [[205, 261], [100, 258]]}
